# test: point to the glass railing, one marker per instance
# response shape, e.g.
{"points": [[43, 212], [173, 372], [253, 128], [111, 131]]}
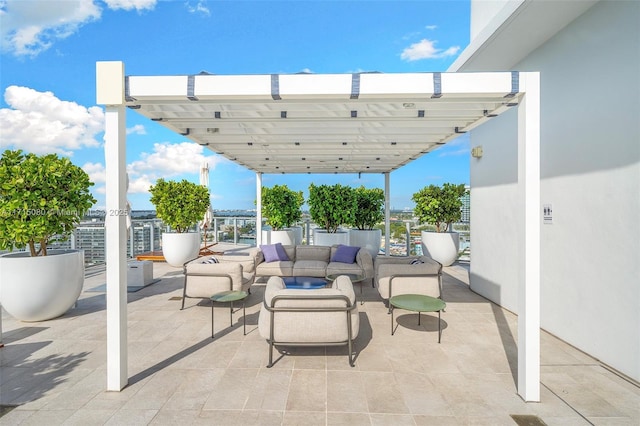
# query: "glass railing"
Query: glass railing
{"points": [[145, 236]]}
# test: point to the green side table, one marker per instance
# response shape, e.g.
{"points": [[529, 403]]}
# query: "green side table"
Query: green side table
{"points": [[417, 303], [230, 297]]}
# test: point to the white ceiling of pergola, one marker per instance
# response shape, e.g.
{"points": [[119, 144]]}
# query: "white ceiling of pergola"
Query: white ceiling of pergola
{"points": [[323, 123]]}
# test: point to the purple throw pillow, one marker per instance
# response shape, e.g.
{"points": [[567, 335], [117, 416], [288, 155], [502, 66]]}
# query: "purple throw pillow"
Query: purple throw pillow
{"points": [[282, 253], [273, 252], [345, 254]]}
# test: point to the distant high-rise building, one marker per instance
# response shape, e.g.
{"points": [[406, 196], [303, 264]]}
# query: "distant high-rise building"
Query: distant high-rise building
{"points": [[466, 206]]}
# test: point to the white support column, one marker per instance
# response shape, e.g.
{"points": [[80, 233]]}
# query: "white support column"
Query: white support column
{"points": [[258, 209], [529, 244], [110, 92], [387, 214]]}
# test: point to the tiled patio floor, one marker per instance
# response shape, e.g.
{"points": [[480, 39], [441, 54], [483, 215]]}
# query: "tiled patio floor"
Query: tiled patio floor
{"points": [[55, 371]]}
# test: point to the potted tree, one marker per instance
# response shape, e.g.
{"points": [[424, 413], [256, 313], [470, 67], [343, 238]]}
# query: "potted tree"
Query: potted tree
{"points": [[180, 205], [440, 206], [331, 206], [281, 206], [42, 199], [369, 212]]}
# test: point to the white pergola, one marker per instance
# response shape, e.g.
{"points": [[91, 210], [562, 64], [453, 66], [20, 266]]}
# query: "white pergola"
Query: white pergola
{"points": [[323, 123]]}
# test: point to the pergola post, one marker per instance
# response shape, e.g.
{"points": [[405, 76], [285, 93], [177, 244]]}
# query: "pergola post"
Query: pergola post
{"points": [[387, 215], [529, 243], [110, 92], [258, 209]]}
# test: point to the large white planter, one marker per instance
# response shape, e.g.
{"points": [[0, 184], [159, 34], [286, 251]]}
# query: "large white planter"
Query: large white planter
{"points": [[367, 239], [177, 248], [42, 287], [285, 237], [324, 238], [297, 234], [441, 246]]}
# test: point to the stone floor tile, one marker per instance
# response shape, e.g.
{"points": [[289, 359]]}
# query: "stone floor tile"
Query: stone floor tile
{"points": [[378, 419], [383, 395], [47, 417], [270, 390], [232, 390], [131, 417], [348, 419], [346, 392], [168, 417], [302, 382], [297, 418], [87, 417]]}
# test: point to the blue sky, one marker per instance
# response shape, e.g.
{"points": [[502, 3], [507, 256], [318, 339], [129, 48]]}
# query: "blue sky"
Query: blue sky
{"points": [[50, 48]]}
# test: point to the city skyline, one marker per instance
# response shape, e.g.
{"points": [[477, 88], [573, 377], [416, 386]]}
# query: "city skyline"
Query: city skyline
{"points": [[48, 78]]}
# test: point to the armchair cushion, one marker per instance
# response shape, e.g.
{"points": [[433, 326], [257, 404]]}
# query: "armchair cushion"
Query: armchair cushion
{"points": [[309, 326], [202, 280], [401, 276]]}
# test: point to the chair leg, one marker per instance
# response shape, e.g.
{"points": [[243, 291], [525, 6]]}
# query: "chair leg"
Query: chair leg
{"points": [[270, 355], [350, 346], [184, 292]]}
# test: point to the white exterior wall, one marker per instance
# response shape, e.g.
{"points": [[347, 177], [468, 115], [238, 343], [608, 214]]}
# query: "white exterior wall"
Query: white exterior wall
{"points": [[482, 12], [590, 171]]}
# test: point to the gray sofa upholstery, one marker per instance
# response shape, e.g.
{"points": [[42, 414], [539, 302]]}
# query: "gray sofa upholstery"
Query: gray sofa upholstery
{"points": [[322, 317], [313, 261]]}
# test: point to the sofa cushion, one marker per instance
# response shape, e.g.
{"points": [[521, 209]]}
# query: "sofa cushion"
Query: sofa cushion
{"points": [[337, 268], [273, 252], [305, 252], [345, 254], [309, 268], [282, 268]]}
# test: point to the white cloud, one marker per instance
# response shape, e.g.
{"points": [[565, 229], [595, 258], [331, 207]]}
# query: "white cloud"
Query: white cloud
{"points": [[96, 172], [138, 129], [431, 27], [131, 4], [200, 7], [28, 28], [167, 160], [425, 49], [41, 123]]}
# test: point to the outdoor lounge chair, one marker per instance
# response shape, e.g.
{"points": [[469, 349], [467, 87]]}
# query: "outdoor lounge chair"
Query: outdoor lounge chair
{"points": [[408, 275], [323, 317], [204, 276]]}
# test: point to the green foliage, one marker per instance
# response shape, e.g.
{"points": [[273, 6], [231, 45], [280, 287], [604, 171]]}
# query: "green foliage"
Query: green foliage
{"points": [[40, 197], [439, 205], [369, 207], [331, 205], [179, 204], [281, 206]]}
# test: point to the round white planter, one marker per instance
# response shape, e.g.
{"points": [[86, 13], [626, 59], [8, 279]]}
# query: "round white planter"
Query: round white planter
{"points": [[367, 239], [177, 248], [42, 287], [441, 246], [324, 238]]}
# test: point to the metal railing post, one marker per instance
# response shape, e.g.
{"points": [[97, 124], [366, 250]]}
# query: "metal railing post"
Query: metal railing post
{"points": [[235, 230]]}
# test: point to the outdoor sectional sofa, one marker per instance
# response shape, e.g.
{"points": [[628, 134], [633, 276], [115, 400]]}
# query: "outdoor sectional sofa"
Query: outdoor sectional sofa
{"points": [[313, 261]]}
